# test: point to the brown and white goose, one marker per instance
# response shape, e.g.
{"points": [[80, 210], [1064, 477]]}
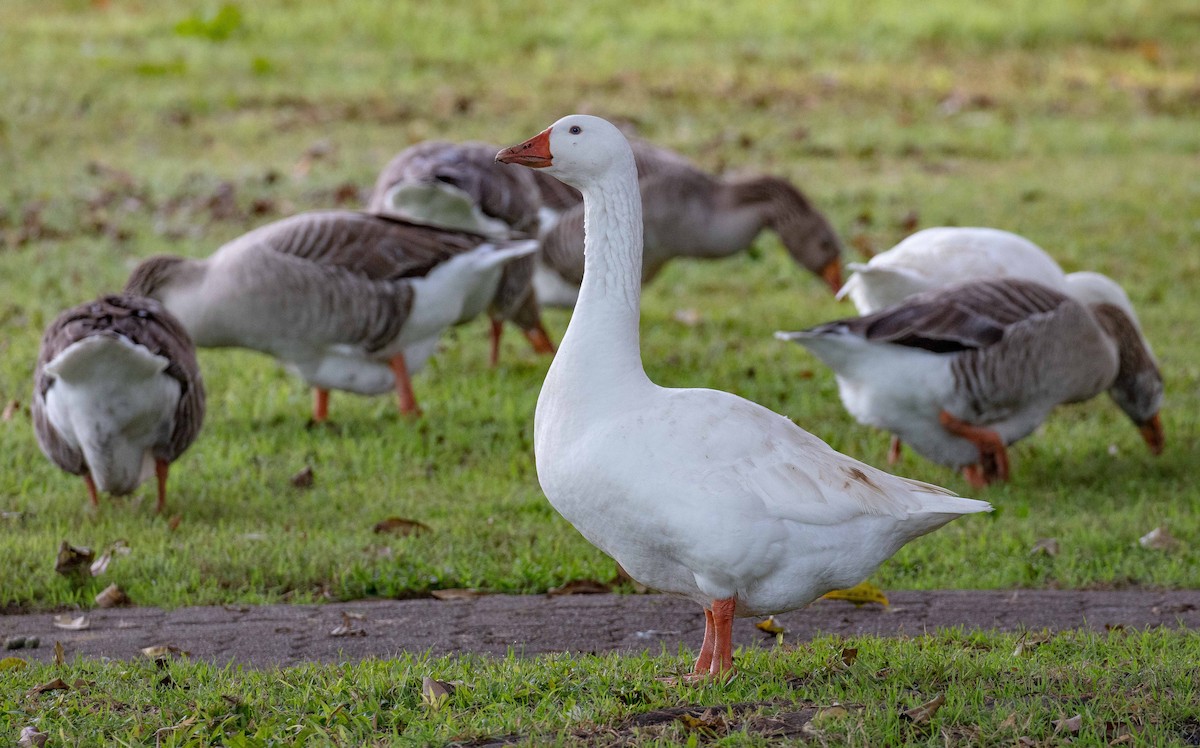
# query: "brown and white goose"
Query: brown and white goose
{"points": [[689, 213], [349, 301], [960, 373], [117, 394], [460, 186], [694, 492]]}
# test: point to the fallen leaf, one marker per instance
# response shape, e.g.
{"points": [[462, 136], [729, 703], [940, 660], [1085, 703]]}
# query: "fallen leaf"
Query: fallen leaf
{"points": [[1045, 546], [770, 626], [185, 722], [303, 479], [580, 587], [690, 317], [710, 722], [860, 594], [31, 738], [849, 655], [400, 526], [919, 715], [112, 596], [1009, 722], [1029, 643], [12, 663], [163, 651], [65, 621], [457, 593], [435, 693], [347, 628], [60, 657], [10, 410], [828, 714], [1159, 539], [72, 561], [1070, 724], [58, 684]]}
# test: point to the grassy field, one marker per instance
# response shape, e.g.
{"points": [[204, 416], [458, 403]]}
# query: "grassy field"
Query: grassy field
{"points": [[144, 128]]}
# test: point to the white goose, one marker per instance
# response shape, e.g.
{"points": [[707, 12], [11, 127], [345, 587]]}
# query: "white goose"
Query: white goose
{"points": [[959, 373], [695, 492], [943, 256], [117, 394], [689, 213], [460, 186], [350, 301]]}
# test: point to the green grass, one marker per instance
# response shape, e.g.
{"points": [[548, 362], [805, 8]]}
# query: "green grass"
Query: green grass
{"points": [[1072, 123], [1140, 684]]}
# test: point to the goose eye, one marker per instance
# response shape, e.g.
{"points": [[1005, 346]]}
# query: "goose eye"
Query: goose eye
{"points": [[575, 129]]}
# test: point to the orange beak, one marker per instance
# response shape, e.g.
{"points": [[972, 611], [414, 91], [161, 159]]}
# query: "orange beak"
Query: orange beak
{"points": [[832, 275], [534, 153], [1152, 432]]}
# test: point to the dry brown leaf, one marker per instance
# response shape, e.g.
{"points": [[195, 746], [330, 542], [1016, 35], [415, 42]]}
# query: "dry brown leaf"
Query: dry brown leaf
{"points": [[60, 657], [72, 561], [770, 626], [112, 596], [10, 410], [100, 565], [1159, 539], [185, 722], [58, 684], [849, 655], [919, 715], [860, 594], [828, 714], [1028, 643], [1009, 722], [31, 738], [435, 693], [12, 663], [1045, 546], [580, 587], [711, 722], [66, 622], [1070, 724], [457, 593], [347, 628], [163, 651], [400, 526], [304, 478]]}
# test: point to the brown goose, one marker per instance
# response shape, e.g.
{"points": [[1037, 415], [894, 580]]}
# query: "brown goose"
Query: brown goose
{"points": [[117, 394], [349, 301], [960, 373], [689, 213], [460, 186]]}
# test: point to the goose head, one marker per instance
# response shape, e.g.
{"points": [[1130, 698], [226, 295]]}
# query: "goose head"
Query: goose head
{"points": [[1138, 388], [579, 150]]}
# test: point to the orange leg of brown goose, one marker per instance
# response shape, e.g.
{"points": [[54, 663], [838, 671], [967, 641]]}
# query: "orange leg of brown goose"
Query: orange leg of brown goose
{"points": [[320, 405], [993, 456], [93, 494], [497, 331], [540, 339], [894, 448], [161, 468], [404, 390]]}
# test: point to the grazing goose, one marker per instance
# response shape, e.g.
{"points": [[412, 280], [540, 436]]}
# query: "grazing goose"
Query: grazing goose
{"points": [[695, 492], [349, 301], [688, 213], [117, 394], [960, 373], [943, 256], [460, 186]]}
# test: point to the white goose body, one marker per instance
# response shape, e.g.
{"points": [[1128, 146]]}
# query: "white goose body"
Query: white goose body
{"points": [[696, 492], [943, 256], [117, 393], [998, 355], [336, 296]]}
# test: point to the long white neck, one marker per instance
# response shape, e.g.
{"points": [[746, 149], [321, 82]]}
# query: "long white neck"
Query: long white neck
{"points": [[600, 353]]}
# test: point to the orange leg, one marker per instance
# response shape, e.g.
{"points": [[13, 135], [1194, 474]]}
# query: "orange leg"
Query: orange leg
{"points": [[993, 456], [704, 661], [497, 331], [722, 658], [540, 339], [93, 494], [320, 405], [404, 390], [161, 467], [894, 450]]}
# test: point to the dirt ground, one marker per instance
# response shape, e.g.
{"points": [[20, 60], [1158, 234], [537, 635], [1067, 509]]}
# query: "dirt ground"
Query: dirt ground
{"points": [[280, 635]]}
